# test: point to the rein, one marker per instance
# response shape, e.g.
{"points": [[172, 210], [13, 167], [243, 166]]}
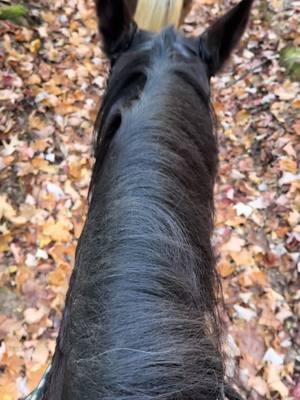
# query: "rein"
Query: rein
{"points": [[38, 392]]}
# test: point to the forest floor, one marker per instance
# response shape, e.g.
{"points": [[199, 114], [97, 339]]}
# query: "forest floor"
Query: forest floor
{"points": [[52, 79]]}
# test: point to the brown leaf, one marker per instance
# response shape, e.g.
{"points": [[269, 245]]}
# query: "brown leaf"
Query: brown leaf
{"points": [[251, 344], [242, 117]]}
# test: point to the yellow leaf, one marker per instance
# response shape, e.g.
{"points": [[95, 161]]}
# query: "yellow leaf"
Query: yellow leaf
{"points": [[75, 169], [12, 269], [288, 165], [242, 117], [4, 242], [58, 231], [59, 277], [35, 45]]}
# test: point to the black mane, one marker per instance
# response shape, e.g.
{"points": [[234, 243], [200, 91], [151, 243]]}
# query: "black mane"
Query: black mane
{"points": [[140, 319], [129, 78]]}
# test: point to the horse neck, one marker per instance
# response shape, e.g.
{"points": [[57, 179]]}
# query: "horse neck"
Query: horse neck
{"points": [[147, 237]]}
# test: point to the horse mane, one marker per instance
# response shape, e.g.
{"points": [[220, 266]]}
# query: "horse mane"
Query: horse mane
{"points": [[133, 71], [141, 317]]}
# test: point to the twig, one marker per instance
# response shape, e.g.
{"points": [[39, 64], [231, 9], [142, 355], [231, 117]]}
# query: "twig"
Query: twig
{"points": [[249, 71]]}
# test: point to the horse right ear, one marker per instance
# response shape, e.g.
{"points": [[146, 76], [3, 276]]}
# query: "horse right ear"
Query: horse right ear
{"points": [[116, 25], [218, 41]]}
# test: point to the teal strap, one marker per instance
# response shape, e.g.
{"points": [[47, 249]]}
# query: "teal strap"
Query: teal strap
{"points": [[38, 392]]}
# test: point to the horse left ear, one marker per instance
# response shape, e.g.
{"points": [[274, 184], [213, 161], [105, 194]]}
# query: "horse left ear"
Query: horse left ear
{"points": [[115, 25], [218, 41]]}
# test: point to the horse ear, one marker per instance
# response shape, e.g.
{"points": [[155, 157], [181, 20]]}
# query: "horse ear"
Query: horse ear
{"points": [[218, 41], [115, 25]]}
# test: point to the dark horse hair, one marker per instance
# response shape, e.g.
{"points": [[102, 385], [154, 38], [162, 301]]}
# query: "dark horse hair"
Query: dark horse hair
{"points": [[140, 320]]}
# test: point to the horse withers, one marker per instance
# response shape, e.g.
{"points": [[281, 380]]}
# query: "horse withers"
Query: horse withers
{"points": [[140, 320]]}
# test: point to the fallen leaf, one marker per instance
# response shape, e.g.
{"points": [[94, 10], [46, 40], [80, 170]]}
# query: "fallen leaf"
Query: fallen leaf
{"points": [[244, 313], [225, 268], [234, 244], [259, 385], [57, 231], [273, 357], [34, 315], [275, 382]]}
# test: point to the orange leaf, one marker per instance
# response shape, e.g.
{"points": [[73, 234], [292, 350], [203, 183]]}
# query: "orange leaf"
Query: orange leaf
{"points": [[24, 274], [60, 276], [242, 258], [253, 277], [225, 268], [259, 277], [8, 388], [288, 165], [34, 375], [57, 231]]}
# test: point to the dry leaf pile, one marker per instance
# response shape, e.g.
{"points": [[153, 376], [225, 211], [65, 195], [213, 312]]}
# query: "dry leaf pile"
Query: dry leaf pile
{"points": [[52, 77]]}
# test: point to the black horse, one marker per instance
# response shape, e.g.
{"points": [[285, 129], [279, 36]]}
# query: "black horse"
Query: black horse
{"points": [[140, 320]]}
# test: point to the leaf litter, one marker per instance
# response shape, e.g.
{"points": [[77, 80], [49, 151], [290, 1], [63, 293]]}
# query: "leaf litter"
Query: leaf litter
{"points": [[52, 79]]}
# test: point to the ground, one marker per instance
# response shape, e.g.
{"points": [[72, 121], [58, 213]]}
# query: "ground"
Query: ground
{"points": [[51, 83]]}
